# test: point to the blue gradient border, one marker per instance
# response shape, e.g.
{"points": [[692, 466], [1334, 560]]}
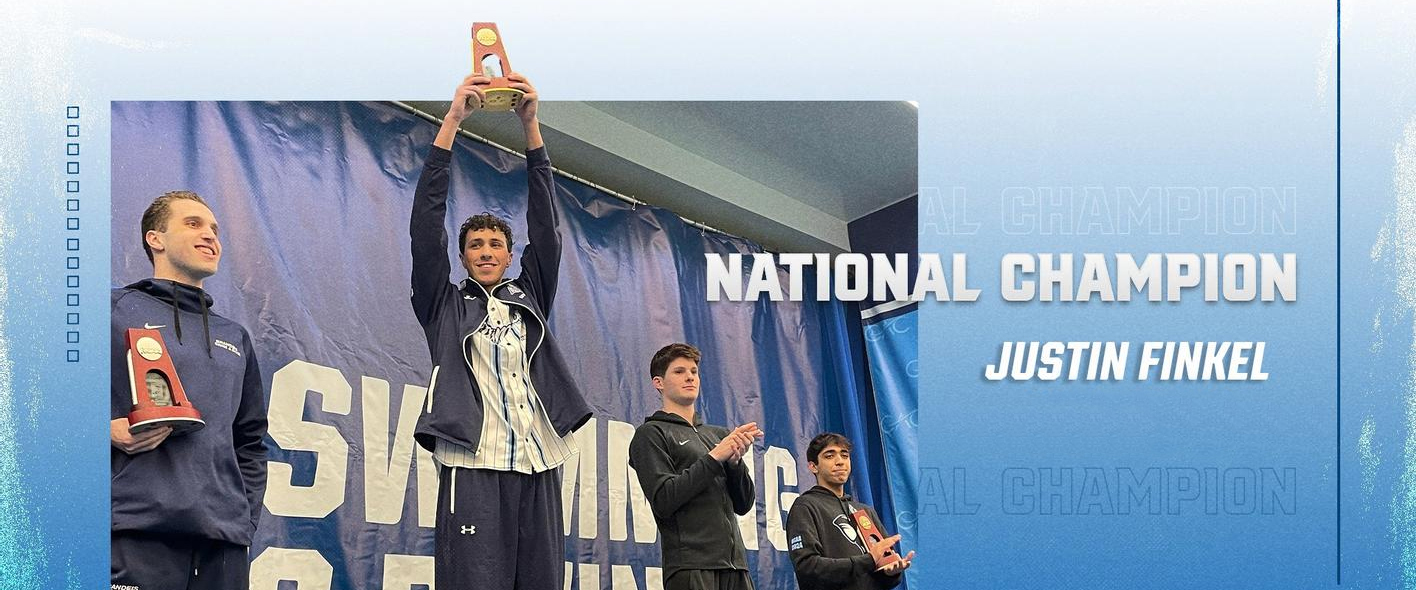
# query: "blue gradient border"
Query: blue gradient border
{"points": [[964, 65]]}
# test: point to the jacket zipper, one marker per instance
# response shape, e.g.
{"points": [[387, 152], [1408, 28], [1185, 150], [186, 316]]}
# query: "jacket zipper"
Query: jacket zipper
{"points": [[470, 371], [730, 516], [532, 356], [432, 382], [544, 326], [489, 294], [529, 358]]}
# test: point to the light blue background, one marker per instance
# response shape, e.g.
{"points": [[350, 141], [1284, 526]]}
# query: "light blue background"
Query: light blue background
{"points": [[1139, 96], [1142, 96], [1031, 94]]}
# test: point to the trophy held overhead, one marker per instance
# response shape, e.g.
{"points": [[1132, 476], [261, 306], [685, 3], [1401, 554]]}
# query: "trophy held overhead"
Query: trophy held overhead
{"points": [[489, 59]]}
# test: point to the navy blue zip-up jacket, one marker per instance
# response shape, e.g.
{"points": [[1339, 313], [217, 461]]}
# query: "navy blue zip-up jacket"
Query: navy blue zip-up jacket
{"points": [[207, 484], [450, 313]]}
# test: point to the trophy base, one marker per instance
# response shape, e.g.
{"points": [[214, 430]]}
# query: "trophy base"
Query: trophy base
{"points": [[501, 99], [181, 420]]}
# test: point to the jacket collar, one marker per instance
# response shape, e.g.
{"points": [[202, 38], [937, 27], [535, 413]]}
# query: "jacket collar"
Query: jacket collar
{"points": [[476, 289], [180, 295], [673, 418], [819, 489]]}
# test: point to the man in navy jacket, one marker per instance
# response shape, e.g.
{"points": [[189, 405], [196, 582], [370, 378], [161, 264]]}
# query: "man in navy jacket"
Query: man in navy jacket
{"points": [[185, 507], [501, 402]]}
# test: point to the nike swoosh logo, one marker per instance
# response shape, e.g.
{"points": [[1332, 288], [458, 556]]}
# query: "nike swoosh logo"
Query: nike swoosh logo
{"points": [[682, 443], [153, 327]]}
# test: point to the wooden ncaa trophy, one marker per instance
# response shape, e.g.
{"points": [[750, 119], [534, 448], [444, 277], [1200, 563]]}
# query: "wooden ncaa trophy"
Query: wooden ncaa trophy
{"points": [[873, 536], [158, 397], [489, 59]]}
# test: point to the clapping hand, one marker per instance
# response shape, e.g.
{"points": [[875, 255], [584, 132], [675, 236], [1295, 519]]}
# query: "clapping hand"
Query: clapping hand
{"points": [[737, 443]]}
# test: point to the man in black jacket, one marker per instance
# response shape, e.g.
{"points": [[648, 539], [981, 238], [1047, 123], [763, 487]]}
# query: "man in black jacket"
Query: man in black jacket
{"points": [[695, 480], [502, 400], [827, 551]]}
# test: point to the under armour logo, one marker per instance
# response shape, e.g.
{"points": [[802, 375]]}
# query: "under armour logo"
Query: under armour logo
{"points": [[468, 529]]}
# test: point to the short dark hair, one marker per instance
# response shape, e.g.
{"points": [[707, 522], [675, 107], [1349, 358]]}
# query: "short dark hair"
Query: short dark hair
{"points": [[483, 221], [155, 217], [666, 355], [823, 440]]}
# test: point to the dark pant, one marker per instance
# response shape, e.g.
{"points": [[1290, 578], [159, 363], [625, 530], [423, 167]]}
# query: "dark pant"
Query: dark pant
{"points": [[157, 562], [498, 530], [709, 580]]}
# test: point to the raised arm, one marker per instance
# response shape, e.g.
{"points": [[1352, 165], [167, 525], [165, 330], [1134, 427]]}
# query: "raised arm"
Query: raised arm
{"points": [[540, 262], [429, 239]]}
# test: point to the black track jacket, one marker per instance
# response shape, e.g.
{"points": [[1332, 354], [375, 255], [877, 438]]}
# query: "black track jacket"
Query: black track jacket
{"points": [[826, 549], [694, 496]]}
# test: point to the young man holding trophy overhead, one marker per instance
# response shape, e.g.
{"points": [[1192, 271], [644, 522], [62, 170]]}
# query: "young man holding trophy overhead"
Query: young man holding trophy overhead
{"points": [[502, 401], [188, 416]]}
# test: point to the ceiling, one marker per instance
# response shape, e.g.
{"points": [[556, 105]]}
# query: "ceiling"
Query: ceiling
{"points": [[788, 175]]}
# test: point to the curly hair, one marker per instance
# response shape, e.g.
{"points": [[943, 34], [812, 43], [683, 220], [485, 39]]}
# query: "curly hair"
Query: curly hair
{"points": [[483, 221]]}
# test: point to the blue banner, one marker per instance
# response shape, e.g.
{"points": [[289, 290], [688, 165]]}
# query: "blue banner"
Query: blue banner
{"points": [[892, 345], [313, 202]]}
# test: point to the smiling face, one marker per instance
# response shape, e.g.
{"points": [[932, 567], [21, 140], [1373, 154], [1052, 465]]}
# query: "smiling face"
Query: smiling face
{"points": [[832, 466], [679, 384], [486, 254], [186, 247]]}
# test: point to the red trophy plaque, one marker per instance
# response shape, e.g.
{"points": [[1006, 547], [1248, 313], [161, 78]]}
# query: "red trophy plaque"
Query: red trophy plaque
{"points": [[873, 536], [158, 398], [489, 59]]}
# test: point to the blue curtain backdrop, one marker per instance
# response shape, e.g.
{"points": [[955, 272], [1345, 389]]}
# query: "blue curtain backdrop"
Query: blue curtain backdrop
{"points": [[891, 341], [854, 414], [313, 201]]}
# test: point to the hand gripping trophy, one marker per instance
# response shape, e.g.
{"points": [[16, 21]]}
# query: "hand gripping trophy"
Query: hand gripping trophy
{"points": [[873, 537], [489, 59]]}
